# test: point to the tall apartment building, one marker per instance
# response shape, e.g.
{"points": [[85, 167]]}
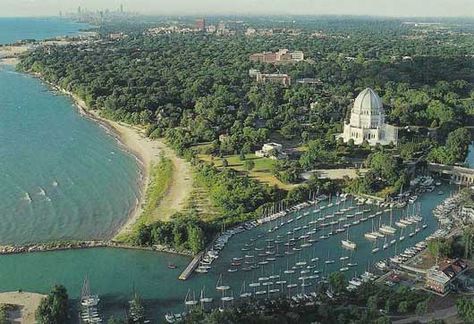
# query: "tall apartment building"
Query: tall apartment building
{"points": [[201, 24]]}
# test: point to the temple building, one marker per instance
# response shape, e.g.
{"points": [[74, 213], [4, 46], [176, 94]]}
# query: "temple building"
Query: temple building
{"points": [[367, 121]]}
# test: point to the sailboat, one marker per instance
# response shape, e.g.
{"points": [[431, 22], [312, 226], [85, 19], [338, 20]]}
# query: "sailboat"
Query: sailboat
{"points": [[89, 305], [385, 244], [243, 291], [351, 263], [401, 235], [190, 300], [348, 243], [371, 235], [136, 310], [203, 299], [220, 286], [344, 268], [388, 229], [227, 298], [288, 270], [329, 261], [375, 248]]}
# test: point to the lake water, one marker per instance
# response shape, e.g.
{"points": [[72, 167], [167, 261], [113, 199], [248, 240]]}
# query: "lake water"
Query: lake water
{"points": [[15, 29], [470, 156], [116, 273], [81, 184], [63, 176]]}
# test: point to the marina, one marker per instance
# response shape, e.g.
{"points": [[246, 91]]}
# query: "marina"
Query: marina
{"points": [[154, 280], [290, 252]]}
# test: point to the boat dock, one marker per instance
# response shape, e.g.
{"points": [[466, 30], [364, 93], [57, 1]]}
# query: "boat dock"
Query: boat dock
{"points": [[191, 267]]}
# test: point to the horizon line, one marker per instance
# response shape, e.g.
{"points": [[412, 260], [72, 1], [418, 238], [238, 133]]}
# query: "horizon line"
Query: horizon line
{"points": [[256, 15]]}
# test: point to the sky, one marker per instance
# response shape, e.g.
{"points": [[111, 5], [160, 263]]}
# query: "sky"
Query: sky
{"points": [[397, 8]]}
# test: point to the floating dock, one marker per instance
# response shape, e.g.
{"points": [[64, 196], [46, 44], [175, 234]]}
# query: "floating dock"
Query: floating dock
{"points": [[191, 267]]}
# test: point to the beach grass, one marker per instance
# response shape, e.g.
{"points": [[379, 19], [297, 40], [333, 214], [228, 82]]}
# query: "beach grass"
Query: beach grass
{"points": [[161, 177]]}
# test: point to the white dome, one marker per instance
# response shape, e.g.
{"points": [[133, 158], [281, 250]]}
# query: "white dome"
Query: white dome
{"points": [[367, 122], [367, 102], [367, 111]]}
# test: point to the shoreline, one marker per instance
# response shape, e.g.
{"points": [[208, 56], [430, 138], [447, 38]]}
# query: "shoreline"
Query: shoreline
{"points": [[132, 140], [147, 152]]}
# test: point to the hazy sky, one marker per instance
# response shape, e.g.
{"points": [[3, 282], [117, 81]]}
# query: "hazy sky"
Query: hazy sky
{"points": [[202, 7]]}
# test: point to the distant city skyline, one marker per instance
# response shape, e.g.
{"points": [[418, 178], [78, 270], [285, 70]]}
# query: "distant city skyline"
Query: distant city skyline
{"points": [[392, 8]]}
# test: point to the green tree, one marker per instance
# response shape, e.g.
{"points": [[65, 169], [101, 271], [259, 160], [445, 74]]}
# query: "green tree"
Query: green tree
{"points": [[195, 238], [465, 307], [54, 307], [403, 307], [249, 165], [4, 314], [337, 281], [383, 320], [439, 248], [467, 238], [421, 308], [372, 303]]}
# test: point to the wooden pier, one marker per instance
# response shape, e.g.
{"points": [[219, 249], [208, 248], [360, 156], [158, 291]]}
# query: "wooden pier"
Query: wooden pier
{"points": [[191, 267]]}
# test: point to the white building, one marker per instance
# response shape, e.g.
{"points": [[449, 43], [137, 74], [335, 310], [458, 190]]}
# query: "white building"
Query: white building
{"points": [[367, 121], [467, 212], [271, 150]]}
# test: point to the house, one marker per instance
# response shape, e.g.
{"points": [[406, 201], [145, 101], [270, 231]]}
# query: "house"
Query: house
{"points": [[467, 213], [281, 78], [253, 73], [440, 278], [280, 57], [271, 150], [312, 81]]}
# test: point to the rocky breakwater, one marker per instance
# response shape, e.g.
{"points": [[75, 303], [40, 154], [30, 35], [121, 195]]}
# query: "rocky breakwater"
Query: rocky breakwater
{"points": [[50, 246]]}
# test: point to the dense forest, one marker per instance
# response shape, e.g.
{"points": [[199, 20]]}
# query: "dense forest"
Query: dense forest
{"points": [[194, 90], [194, 87]]}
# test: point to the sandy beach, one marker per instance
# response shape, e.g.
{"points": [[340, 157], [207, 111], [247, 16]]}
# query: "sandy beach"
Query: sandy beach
{"points": [[28, 303], [9, 61], [9, 54], [148, 152]]}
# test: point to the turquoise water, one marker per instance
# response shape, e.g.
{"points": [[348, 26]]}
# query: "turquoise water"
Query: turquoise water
{"points": [[63, 176], [82, 185], [15, 29], [115, 274], [470, 156]]}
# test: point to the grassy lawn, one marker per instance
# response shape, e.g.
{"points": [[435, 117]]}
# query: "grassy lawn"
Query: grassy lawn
{"points": [[261, 172]]}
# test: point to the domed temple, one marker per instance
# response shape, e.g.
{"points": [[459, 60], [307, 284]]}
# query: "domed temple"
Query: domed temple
{"points": [[367, 121]]}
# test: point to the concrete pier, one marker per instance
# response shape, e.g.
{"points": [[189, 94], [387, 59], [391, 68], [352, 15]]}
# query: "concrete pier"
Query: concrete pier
{"points": [[191, 267]]}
